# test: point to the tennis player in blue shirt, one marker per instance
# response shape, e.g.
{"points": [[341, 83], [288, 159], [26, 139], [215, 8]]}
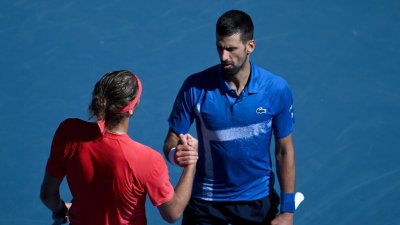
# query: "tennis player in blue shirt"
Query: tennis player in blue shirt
{"points": [[237, 107]]}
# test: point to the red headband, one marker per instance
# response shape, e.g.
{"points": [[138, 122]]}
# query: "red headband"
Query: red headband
{"points": [[134, 101]]}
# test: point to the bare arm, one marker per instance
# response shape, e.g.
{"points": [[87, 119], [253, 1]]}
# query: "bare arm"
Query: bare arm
{"points": [[286, 170], [50, 196], [171, 141], [172, 210], [285, 163], [49, 192]]}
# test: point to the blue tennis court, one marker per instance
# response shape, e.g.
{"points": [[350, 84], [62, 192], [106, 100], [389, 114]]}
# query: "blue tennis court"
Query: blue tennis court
{"points": [[341, 59]]}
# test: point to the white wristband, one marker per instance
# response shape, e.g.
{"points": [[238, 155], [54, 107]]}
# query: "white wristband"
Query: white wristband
{"points": [[171, 156]]}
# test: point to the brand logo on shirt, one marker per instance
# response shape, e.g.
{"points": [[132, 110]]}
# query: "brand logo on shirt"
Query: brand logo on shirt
{"points": [[261, 110]]}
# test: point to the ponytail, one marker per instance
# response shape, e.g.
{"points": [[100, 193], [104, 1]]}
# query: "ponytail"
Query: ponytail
{"points": [[112, 92]]}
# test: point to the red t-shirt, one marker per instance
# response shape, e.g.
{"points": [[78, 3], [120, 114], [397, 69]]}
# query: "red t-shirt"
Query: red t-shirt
{"points": [[109, 175]]}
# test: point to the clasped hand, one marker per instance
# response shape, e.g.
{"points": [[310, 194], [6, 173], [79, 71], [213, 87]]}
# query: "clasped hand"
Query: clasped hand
{"points": [[186, 152]]}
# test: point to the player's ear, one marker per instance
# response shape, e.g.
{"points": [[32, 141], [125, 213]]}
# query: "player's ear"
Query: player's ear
{"points": [[131, 111], [251, 45]]}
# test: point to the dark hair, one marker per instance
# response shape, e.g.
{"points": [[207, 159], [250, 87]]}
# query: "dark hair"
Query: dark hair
{"points": [[112, 92], [233, 22]]}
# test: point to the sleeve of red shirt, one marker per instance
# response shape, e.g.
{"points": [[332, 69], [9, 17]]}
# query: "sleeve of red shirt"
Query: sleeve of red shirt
{"points": [[159, 187], [55, 166]]}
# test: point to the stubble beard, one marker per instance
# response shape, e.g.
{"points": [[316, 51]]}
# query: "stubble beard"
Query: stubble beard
{"points": [[235, 69]]}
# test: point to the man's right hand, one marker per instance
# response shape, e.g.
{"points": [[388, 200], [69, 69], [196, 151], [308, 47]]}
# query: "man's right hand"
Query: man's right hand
{"points": [[186, 152]]}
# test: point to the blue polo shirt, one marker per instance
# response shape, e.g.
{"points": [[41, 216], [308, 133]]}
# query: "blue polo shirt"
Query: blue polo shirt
{"points": [[234, 132]]}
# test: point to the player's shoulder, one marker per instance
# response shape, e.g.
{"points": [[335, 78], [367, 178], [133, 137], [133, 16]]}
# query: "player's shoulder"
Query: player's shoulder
{"points": [[200, 81], [204, 76], [71, 123], [268, 78], [78, 130]]}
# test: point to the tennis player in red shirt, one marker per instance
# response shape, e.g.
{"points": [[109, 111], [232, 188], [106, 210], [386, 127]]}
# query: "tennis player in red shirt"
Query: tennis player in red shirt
{"points": [[108, 173]]}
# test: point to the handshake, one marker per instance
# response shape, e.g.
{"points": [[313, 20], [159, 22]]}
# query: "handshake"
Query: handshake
{"points": [[186, 151]]}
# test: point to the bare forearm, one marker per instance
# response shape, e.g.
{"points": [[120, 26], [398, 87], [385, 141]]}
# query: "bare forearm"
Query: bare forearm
{"points": [[49, 193], [285, 163], [286, 170], [172, 210], [183, 189], [186, 155], [171, 141], [52, 202]]}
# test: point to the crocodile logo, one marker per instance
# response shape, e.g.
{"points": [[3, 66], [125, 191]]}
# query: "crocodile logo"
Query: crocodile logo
{"points": [[261, 110]]}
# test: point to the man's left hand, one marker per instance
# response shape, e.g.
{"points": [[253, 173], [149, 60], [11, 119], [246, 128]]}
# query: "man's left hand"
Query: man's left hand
{"points": [[283, 219]]}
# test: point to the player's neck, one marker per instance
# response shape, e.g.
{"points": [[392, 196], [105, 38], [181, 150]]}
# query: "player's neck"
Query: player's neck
{"points": [[120, 128], [239, 81]]}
